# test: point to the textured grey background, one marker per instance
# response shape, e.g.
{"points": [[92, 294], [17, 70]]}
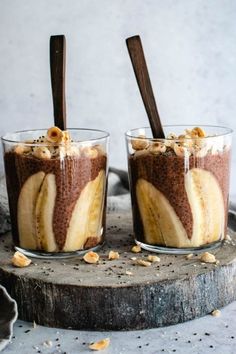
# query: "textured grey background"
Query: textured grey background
{"points": [[189, 45]]}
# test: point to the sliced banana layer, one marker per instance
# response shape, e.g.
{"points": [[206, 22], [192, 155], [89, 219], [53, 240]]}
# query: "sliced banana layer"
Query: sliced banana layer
{"points": [[35, 212], [161, 224], [207, 206], [26, 211], [44, 214], [86, 219]]}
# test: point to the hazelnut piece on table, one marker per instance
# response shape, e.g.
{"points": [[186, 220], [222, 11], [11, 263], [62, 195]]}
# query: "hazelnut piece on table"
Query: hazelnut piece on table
{"points": [[100, 345], [113, 255], [208, 258], [20, 260], [91, 257], [143, 263], [136, 249], [153, 259]]}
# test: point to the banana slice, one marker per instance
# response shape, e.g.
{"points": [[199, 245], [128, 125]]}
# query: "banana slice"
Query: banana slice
{"points": [[161, 224], [86, 219], [207, 205], [26, 211], [147, 209], [44, 214]]}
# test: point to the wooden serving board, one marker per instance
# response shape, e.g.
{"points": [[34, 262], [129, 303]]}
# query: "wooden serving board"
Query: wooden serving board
{"points": [[69, 293]]}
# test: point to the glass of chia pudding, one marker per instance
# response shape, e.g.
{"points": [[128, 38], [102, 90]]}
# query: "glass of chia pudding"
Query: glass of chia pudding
{"points": [[56, 183], [179, 187]]}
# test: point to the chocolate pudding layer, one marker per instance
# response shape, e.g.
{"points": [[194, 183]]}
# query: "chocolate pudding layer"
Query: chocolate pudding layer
{"points": [[72, 173]]}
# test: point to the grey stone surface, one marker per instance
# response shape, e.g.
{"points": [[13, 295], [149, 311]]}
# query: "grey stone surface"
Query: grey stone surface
{"points": [[204, 335]]}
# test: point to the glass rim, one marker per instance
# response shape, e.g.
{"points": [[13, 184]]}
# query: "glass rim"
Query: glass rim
{"points": [[228, 131], [5, 138]]}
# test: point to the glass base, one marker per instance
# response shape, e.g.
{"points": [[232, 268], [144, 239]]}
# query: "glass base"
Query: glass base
{"points": [[172, 250], [56, 255]]}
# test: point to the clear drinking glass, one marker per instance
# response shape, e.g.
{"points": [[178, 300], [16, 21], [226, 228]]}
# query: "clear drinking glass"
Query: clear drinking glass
{"points": [[179, 187], [56, 191]]}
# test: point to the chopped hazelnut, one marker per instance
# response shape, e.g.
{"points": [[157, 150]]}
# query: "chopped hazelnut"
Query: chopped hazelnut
{"points": [[198, 132], [91, 257], [208, 258], [42, 152], [54, 135], [113, 255], [133, 258], [180, 150], [20, 260], [89, 151], [100, 345], [19, 149], [157, 148], [189, 256], [143, 263], [153, 259], [139, 143], [216, 313], [136, 249]]}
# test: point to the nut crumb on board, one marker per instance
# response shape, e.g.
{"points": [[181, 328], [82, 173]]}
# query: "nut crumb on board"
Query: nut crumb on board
{"points": [[100, 345]]}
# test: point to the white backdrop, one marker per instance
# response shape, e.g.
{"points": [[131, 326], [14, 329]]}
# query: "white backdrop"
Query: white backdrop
{"points": [[189, 45]]}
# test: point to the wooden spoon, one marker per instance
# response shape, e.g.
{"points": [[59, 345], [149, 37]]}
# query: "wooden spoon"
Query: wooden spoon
{"points": [[136, 53], [57, 65]]}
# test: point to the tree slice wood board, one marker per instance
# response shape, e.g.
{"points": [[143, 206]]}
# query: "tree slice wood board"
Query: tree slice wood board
{"points": [[120, 294]]}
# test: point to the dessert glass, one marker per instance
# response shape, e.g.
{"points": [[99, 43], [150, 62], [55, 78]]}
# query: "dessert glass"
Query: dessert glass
{"points": [[56, 190], [179, 187]]}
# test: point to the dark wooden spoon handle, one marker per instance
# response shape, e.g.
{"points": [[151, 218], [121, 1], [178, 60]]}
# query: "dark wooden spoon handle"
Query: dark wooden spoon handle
{"points": [[57, 65], [136, 53]]}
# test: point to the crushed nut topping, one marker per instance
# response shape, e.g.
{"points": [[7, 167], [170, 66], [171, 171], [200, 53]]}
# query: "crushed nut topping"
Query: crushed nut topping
{"points": [[20, 260], [100, 345], [190, 142], [57, 144]]}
